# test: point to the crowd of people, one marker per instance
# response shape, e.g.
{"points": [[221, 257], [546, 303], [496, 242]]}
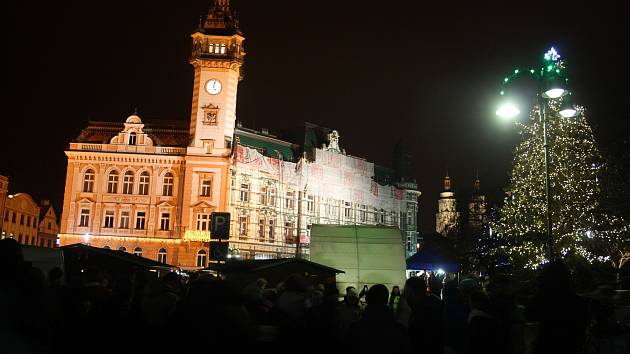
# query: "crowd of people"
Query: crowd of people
{"points": [[105, 313]]}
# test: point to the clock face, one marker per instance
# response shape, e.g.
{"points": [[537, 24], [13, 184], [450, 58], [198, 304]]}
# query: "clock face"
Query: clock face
{"points": [[213, 86]]}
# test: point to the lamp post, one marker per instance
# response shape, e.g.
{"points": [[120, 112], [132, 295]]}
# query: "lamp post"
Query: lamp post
{"points": [[550, 84]]}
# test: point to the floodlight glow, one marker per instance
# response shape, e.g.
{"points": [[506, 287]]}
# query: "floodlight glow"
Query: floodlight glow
{"points": [[554, 93], [507, 110], [568, 112], [440, 271], [86, 238]]}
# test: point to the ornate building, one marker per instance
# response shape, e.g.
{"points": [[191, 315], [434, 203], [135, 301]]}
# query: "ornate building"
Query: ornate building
{"points": [[447, 219], [21, 219], [150, 187], [48, 227]]}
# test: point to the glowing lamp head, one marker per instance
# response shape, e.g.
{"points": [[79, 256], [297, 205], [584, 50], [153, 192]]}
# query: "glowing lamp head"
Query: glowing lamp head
{"points": [[568, 112], [508, 110], [555, 92], [86, 238], [440, 271]]}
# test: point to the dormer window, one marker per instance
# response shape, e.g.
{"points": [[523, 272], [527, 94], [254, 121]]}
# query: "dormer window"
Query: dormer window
{"points": [[132, 138]]}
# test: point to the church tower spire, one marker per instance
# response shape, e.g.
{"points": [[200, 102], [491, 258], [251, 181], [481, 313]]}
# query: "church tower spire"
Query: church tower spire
{"points": [[447, 217], [217, 58]]}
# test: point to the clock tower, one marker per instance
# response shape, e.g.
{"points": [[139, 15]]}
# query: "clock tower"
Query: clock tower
{"points": [[217, 58]]}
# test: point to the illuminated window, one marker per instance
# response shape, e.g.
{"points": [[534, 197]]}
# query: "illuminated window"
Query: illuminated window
{"points": [[85, 217], [272, 234], [288, 232], [203, 221], [289, 203], [161, 256], [210, 47], [222, 48], [112, 182], [137, 251], [244, 193], [272, 197], [347, 210], [143, 185], [261, 230], [122, 248], [167, 186], [88, 181], [242, 225], [201, 258], [206, 188], [362, 214], [128, 183], [409, 218], [217, 49], [263, 195], [310, 203], [109, 219], [132, 138], [140, 220], [124, 219], [165, 220]]}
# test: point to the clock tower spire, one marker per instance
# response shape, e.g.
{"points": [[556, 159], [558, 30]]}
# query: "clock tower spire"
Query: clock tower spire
{"points": [[217, 59]]}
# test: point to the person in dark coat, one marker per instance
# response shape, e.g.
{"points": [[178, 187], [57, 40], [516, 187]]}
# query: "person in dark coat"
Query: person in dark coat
{"points": [[378, 327], [562, 314], [425, 332]]}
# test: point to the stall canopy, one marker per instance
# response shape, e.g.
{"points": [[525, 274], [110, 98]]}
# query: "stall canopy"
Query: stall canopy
{"points": [[428, 258], [274, 270]]}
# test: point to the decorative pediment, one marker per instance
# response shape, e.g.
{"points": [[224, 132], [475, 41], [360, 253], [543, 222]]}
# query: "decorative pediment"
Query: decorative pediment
{"points": [[204, 205], [86, 201], [166, 204], [210, 114]]}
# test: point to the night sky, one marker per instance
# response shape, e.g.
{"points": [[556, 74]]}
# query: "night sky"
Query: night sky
{"points": [[375, 71]]}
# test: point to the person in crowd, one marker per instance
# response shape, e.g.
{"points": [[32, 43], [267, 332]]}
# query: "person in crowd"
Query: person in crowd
{"points": [[482, 327], [425, 322], [394, 298], [348, 311], [455, 319], [378, 327], [562, 314]]}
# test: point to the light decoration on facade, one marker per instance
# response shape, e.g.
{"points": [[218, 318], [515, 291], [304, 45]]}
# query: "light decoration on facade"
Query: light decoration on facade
{"points": [[79, 238], [197, 235]]}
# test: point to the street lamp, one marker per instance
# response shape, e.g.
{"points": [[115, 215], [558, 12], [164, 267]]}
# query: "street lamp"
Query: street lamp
{"points": [[550, 85]]}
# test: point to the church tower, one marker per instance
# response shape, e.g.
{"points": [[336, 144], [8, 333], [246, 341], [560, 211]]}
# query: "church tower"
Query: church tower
{"points": [[447, 217], [476, 207], [217, 58]]}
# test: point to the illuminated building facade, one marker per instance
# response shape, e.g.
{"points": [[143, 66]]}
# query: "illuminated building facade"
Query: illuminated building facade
{"points": [[447, 219], [150, 187], [477, 207], [21, 219], [4, 190]]}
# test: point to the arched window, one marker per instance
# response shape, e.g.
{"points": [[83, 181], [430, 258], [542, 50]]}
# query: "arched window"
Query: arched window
{"points": [[128, 183], [112, 182], [88, 181], [122, 248], [137, 251], [201, 258], [143, 186], [167, 186], [161, 255], [107, 247], [132, 138]]}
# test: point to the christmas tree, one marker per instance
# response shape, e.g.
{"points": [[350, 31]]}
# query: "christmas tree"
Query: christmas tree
{"points": [[574, 168]]}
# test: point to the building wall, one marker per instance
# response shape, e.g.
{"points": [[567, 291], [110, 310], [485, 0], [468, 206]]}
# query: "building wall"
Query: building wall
{"points": [[21, 219], [48, 228], [4, 189]]}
